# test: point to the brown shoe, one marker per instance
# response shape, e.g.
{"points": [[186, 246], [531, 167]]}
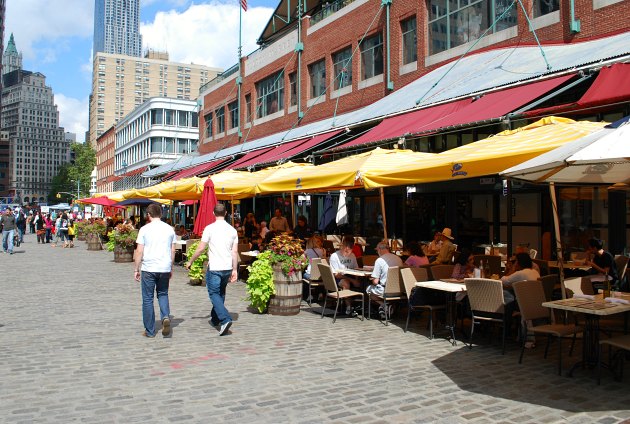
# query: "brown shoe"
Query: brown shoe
{"points": [[144, 333], [166, 326]]}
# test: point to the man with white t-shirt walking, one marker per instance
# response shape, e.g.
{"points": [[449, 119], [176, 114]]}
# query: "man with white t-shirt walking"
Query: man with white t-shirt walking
{"points": [[154, 259], [221, 240]]}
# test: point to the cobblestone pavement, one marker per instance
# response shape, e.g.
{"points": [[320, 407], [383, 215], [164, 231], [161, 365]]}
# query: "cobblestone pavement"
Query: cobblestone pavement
{"points": [[71, 351]]}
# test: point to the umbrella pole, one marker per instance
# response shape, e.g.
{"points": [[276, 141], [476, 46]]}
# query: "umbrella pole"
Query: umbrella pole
{"points": [[556, 225], [383, 213], [232, 207], [292, 209]]}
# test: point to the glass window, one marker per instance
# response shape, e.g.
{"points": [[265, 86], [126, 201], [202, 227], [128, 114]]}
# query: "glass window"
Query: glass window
{"points": [[317, 73], [182, 143], [409, 40], [543, 7], [169, 117], [182, 118], [270, 93], [208, 119], [456, 22], [372, 56], [220, 117], [156, 116], [248, 108], [233, 108], [342, 67], [195, 120], [156, 144], [293, 89], [169, 145]]}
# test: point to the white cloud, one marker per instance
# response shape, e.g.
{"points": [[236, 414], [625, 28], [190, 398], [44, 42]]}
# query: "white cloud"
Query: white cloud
{"points": [[73, 114], [51, 23], [174, 3], [205, 34]]}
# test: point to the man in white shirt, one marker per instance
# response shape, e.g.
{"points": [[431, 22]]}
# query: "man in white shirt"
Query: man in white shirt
{"points": [[345, 259], [379, 275], [279, 222], [523, 271], [153, 259], [221, 239]]}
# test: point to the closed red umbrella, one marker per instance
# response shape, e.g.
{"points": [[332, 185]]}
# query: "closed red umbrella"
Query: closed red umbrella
{"points": [[103, 201], [205, 216]]}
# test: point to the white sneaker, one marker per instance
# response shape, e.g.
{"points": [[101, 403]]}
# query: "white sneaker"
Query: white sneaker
{"points": [[224, 328]]}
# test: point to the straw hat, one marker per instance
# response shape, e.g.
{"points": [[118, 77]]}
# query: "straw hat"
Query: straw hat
{"points": [[446, 232]]}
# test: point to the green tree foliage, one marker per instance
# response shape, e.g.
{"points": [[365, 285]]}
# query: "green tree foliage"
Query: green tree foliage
{"points": [[80, 169]]}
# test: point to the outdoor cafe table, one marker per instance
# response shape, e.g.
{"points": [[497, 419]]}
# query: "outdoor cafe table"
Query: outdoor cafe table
{"points": [[451, 288], [592, 309]]}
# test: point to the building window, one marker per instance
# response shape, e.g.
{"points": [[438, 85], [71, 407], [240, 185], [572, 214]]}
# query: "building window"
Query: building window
{"points": [[182, 118], [270, 94], [544, 7], [451, 25], [409, 40], [156, 117], [169, 117], [220, 116], [248, 108], [293, 89], [342, 67], [195, 120], [156, 144], [182, 143], [317, 73], [169, 145], [372, 56], [233, 109], [208, 120]]}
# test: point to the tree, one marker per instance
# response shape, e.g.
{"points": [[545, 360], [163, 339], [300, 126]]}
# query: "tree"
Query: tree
{"points": [[78, 171]]}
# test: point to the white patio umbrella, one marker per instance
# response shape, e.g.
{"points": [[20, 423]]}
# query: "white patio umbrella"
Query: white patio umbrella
{"points": [[342, 210], [602, 157]]}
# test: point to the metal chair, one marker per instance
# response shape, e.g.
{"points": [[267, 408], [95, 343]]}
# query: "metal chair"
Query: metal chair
{"points": [[486, 304], [621, 262], [333, 292], [393, 291], [439, 272], [315, 279], [622, 343], [410, 276], [549, 283], [530, 297]]}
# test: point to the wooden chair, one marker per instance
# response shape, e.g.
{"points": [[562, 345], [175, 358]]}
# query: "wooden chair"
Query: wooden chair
{"points": [[393, 292], [439, 272], [333, 292], [530, 297], [622, 344], [315, 279], [368, 260], [410, 276], [486, 304], [493, 261]]}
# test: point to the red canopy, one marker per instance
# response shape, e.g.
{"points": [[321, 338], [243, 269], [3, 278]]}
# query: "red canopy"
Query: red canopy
{"points": [[205, 216], [103, 201]]}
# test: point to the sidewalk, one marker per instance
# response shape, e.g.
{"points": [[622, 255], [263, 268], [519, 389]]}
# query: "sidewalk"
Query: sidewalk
{"points": [[72, 351]]}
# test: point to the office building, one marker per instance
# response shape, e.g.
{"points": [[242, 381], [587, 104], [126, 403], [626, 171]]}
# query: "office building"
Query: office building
{"points": [[121, 83], [37, 144], [117, 27]]}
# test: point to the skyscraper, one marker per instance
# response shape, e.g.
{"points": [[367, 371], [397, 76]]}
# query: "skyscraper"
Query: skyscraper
{"points": [[117, 27]]}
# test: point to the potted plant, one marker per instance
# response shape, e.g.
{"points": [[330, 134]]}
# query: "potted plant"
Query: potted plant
{"points": [[197, 271], [121, 241], [260, 285], [80, 228], [93, 232], [287, 261]]}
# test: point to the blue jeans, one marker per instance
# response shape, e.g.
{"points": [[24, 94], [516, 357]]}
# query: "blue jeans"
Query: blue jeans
{"points": [[21, 234], [216, 282], [7, 240], [158, 282]]}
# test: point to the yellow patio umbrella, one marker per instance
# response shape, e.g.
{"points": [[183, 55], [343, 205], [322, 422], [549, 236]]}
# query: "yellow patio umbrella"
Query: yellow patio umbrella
{"points": [[489, 156], [117, 196], [346, 173], [184, 189]]}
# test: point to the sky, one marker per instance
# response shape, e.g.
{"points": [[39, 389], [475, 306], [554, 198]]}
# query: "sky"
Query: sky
{"points": [[55, 38]]}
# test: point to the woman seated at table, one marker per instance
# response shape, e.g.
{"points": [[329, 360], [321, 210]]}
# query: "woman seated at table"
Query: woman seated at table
{"points": [[464, 266], [313, 250], [182, 232], [603, 262], [433, 248], [416, 255]]}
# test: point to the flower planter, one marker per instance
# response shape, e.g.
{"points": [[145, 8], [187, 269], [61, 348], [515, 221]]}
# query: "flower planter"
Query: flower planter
{"points": [[123, 254], [81, 237], [93, 242], [288, 295]]}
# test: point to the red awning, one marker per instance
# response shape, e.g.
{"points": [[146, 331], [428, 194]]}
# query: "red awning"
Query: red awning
{"points": [[490, 106], [292, 148], [169, 175], [134, 172], [248, 158], [612, 85], [198, 169], [412, 122]]}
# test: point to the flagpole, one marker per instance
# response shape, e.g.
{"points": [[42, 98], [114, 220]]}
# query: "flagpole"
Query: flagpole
{"points": [[239, 80]]}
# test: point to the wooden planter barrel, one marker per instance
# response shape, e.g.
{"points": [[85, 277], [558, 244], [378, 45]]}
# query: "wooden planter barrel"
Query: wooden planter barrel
{"points": [[93, 242], [288, 295], [123, 254]]}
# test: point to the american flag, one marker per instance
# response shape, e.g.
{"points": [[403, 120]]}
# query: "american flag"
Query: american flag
{"points": [[244, 5]]}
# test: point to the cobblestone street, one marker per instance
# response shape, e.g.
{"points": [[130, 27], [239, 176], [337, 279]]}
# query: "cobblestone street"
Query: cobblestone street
{"points": [[72, 351]]}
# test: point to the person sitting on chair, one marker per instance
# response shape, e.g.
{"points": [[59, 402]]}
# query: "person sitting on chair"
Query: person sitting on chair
{"points": [[379, 276], [446, 250], [345, 259]]}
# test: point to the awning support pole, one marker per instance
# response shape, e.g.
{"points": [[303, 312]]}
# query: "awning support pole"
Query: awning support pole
{"points": [[383, 213], [556, 225]]}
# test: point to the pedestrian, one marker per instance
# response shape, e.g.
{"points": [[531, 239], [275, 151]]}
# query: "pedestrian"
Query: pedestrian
{"points": [[154, 259], [39, 228], [8, 231], [29, 222], [221, 239], [20, 225], [48, 224]]}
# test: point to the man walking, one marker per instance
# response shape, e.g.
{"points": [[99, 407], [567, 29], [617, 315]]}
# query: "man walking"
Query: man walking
{"points": [[221, 240], [8, 231], [154, 259]]}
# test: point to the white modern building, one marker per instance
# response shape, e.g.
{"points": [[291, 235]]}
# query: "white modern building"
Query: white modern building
{"points": [[155, 133]]}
